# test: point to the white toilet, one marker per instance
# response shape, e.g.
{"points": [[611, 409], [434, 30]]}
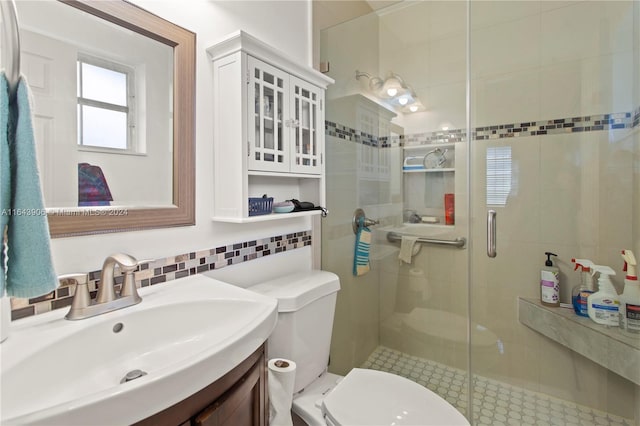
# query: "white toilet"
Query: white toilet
{"points": [[306, 304]]}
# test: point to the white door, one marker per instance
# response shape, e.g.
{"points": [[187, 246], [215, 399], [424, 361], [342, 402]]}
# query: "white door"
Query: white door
{"points": [[47, 65]]}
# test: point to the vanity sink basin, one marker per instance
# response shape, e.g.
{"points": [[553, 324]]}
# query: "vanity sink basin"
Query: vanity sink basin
{"points": [[184, 335]]}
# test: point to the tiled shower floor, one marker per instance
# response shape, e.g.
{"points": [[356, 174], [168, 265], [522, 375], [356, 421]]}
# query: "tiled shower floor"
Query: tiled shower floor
{"points": [[495, 403]]}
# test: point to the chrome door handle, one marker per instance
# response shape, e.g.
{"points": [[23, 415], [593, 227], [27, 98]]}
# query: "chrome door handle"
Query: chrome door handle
{"points": [[491, 233]]}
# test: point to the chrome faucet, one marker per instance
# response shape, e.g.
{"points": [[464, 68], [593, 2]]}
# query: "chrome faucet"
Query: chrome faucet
{"points": [[106, 300]]}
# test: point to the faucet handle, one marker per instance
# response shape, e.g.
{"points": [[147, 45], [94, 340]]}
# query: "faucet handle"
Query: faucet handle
{"points": [[125, 261], [129, 287], [128, 264], [81, 297]]}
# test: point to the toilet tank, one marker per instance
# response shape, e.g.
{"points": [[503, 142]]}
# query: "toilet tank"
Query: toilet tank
{"points": [[306, 304]]}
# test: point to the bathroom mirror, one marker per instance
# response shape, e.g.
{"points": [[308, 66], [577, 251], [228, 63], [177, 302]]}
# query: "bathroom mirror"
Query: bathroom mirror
{"points": [[113, 88]]}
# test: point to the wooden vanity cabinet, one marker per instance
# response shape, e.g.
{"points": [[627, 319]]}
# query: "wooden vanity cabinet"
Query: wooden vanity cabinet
{"points": [[239, 398]]}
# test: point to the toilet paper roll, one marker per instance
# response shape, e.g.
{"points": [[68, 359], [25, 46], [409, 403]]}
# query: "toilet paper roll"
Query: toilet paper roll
{"points": [[282, 376]]}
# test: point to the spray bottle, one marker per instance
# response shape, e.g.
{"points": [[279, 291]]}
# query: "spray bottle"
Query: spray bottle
{"points": [[602, 306], [629, 312], [581, 292], [549, 283]]}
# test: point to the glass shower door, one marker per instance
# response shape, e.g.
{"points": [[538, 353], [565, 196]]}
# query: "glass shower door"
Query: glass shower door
{"points": [[402, 165], [553, 96]]}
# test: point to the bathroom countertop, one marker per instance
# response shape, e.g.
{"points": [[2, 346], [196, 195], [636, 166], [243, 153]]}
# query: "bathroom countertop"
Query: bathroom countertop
{"points": [[610, 347]]}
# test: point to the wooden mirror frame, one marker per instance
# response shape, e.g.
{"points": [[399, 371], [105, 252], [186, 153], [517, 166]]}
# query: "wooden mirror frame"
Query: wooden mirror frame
{"points": [[90, 220]]}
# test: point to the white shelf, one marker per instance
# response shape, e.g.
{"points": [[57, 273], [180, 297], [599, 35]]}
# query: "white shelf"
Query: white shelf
{"points": [[438, 225], [429, 170], [266, 217], [282, 174], [429, 146]]}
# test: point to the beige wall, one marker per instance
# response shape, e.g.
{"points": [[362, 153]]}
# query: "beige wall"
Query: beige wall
{"points": [[575, 194]]}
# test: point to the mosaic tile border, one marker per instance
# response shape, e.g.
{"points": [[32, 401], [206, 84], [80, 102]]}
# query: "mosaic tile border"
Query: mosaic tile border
{"points": [[590, 123], [494, 402], [167, 269]]}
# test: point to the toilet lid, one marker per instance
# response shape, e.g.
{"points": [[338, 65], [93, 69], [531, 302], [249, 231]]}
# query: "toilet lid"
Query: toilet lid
{"points": [[369, 397]]}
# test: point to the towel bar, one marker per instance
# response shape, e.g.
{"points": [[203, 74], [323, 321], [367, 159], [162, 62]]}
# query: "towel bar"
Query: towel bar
{"points": [[11, 55], [458, 242]]}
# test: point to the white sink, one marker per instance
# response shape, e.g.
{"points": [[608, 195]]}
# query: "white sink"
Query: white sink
{"points": [[185, 334]]}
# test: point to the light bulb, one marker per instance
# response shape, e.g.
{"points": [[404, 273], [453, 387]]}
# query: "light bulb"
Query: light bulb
{"points": [[403, 100], [392, 91], [413, 108]]}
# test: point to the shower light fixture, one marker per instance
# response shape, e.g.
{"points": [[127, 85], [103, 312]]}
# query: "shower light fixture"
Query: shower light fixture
{"points": [[393, 90]]}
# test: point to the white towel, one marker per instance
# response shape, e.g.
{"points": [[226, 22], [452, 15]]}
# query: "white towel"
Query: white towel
{"points": [[406, 248]]}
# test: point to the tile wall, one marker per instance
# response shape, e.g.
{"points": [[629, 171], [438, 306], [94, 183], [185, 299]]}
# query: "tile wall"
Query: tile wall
{"points": [[557, 82], [167, 269]]}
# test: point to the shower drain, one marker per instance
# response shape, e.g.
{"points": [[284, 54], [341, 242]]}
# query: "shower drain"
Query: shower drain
{"points": [[132, 375]]}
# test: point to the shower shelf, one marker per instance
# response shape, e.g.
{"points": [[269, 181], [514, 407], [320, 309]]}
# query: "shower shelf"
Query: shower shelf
{"points": [[609, 347], [427, 176], [449, 169], [429, 146]]}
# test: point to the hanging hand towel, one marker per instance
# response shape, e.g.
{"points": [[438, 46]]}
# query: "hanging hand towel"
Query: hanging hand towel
{"points": [[406, 248], [361, 255], [29, 267], [5, 175]]}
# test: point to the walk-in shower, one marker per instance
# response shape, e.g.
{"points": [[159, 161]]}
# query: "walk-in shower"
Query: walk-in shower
{"points": [[537, 104]]}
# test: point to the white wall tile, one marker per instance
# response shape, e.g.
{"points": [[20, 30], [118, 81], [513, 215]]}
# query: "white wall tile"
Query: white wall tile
{"points": [[547, 5], [505, 48], [446, 18], [561, 90], [407, 24], [506, 98], [447, 60], [585, 29], [487, 13], [446, 104], [595, 85]]}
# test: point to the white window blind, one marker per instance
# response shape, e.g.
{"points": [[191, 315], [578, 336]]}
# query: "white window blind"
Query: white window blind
{"points": [[498, 175]]}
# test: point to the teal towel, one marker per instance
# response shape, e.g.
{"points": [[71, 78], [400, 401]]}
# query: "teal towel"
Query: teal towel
{"points": [[27, 261], [5, 175], [361, 255]]}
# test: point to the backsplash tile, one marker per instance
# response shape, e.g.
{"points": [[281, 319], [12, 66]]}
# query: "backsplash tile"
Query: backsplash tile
{"points": [[168, 269]]}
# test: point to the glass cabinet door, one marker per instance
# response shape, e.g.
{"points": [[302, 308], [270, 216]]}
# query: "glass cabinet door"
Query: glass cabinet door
{"points": [[305, 147], [267, 145]]}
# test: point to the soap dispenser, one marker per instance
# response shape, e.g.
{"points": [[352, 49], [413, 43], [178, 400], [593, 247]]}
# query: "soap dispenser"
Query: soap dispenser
{"points": [[581, 292], [550, 283], [629, 312], [603, 305]]}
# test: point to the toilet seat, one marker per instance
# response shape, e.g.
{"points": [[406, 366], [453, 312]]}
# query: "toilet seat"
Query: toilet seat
{"points": [[368, 397]]}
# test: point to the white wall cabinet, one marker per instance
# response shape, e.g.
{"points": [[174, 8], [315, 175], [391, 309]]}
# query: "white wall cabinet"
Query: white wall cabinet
{"points": [[268, 128]]}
